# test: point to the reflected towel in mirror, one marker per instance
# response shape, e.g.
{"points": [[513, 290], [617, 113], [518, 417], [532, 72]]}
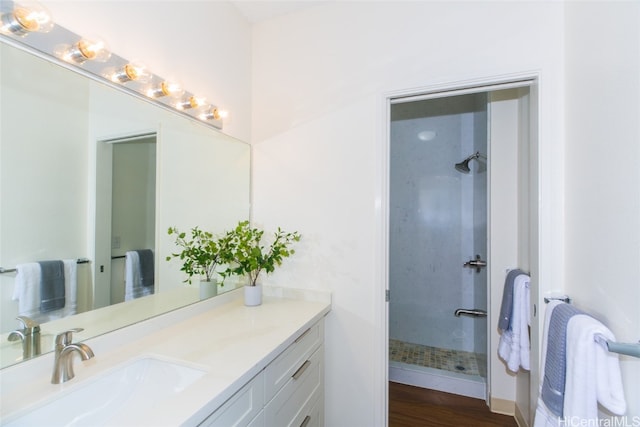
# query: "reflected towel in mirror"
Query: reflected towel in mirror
{"points": [[52, 292], [27, 292], [146, 267], [133, 277]]}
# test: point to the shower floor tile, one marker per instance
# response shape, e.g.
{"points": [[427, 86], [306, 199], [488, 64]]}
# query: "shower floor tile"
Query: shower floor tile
{"points": [[463, 362]]}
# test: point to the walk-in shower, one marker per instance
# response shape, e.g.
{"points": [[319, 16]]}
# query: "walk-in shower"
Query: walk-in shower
{"points": [[438, 244]]}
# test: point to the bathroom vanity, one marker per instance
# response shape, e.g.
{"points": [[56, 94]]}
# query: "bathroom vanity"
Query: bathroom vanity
{"points": [[215, 363]]}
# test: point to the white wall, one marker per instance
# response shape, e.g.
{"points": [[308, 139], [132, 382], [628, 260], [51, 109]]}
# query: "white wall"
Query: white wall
{"points": [[603, 175], [205, 45], [319, 80]]}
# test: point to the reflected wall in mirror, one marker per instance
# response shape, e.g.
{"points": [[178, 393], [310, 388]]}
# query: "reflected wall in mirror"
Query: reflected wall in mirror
{"points": [[66, 193]]}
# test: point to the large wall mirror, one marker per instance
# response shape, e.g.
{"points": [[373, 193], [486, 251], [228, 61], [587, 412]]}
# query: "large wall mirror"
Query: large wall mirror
{"points": [[88, 172]]}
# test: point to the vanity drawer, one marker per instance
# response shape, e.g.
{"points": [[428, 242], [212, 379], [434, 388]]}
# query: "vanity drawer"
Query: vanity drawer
{"points": [[312, 415], [241, 409], [289, 361], [294, 402]]}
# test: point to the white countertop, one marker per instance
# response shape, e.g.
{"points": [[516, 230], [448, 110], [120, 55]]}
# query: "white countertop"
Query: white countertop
{"points": [[231, 342]]}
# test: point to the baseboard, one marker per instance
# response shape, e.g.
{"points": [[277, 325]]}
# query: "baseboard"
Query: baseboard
{"points": [[502, 406], [449, 382], [520, 420]]}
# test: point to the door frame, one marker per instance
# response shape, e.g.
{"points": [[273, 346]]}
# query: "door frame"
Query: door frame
{"points": [[516, 80]]}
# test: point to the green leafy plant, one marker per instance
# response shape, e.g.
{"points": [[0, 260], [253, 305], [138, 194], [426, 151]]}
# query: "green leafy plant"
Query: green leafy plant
{"points": [[201, 252], [251, 257]]}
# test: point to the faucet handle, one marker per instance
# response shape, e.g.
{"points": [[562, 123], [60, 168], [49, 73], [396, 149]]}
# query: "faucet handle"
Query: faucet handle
{"points": [[65, 338], [28, 324]]}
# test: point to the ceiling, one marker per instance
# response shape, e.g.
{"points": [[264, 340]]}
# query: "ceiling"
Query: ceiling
{"points": [[256, 10]]}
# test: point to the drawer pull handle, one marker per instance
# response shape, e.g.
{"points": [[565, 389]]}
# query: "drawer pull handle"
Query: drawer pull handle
{"points": [[305, 421], [301, 370], [302, 336]]}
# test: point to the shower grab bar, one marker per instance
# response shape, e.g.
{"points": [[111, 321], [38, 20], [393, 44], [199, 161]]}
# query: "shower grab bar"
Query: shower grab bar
{"points": [[628, 349], [11, 270], [475, 312]]}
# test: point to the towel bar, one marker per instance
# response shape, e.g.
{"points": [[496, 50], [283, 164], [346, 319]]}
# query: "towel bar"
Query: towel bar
{"points": [[11, 270], [629, 349]]}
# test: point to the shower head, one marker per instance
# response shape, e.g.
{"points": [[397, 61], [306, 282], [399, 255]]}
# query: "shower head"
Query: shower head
{"points": [[463, 166]]}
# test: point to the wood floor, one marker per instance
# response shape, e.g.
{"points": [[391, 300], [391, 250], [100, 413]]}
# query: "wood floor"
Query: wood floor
{"points": [[417, 407]]}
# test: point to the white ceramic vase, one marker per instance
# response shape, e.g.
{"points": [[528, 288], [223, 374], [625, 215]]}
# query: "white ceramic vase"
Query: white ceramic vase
{"points": [[252, 295], [208, 289]]}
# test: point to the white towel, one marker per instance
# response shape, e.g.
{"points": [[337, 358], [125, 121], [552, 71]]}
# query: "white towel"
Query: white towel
{"points": [[70, 287], [514, 346], [27, 291], [593, 373], [543, 416], [133, 279]]}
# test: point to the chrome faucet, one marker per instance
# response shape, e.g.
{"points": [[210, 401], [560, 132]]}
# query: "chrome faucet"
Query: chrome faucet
{"points": [[29, 334], [63, 362]]}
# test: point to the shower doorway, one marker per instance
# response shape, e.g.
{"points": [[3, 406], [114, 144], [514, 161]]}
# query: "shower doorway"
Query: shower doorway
{"points": [[438, 247]]}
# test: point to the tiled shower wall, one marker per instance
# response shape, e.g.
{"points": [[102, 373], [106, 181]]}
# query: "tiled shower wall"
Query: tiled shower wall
{"points": [[437, 218]]}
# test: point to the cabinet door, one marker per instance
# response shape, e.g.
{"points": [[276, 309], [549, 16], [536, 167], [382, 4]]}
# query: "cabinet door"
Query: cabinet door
{"points": [[241, 409]]}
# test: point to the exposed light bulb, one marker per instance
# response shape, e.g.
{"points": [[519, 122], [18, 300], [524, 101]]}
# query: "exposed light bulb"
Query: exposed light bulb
{"points": [[85, 49], [25, 19], [131, 72], [191, 102], [166, 88], [214, 113]]}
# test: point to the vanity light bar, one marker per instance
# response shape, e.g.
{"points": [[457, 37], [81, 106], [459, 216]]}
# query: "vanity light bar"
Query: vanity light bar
{"points": [[92, 59]]}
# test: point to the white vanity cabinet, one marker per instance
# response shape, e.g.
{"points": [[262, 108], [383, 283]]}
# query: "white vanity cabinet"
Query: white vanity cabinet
{"points": [[288, 392]]}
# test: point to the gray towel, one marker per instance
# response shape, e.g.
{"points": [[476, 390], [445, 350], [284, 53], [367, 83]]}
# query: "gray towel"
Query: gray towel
{"points": [[506, 310], [52, 294], [555, 365], [146, 267]]}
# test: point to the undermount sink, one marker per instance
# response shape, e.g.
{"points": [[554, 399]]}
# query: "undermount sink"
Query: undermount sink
{"points": [[130, 389]]}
